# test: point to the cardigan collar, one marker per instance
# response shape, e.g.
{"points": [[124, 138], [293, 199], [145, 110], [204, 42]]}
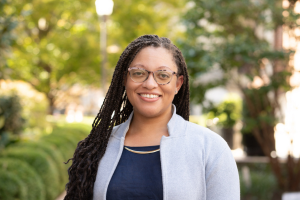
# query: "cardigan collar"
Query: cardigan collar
{"points": [[176, 126]]}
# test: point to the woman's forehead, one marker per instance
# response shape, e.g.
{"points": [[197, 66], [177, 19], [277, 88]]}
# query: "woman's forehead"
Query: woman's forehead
{"points": [[144, 67], [153, 58]]}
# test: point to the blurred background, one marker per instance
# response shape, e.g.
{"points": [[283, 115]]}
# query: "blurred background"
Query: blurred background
{"points": [[57, 59]]}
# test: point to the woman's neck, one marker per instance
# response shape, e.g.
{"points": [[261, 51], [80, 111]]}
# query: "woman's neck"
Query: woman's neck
{"points": [[145, 131]]}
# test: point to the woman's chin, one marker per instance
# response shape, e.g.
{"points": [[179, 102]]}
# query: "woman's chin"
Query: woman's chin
{"points": [[149, 112]]}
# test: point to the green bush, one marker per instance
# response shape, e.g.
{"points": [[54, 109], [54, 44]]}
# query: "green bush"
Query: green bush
{"points": [[51, 151], [228, 111], [11, 187], [263, 183], [34, 106], [66, 138], [43, 160], [31, 180], [73, 134], [11, 121], [35, 110], [75, 128], [79, 126], [11, 110], [65, 146], [42, 164]]}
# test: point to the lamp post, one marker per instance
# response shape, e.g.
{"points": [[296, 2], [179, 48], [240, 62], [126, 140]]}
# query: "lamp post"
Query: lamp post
{"points": [[103, 8]]}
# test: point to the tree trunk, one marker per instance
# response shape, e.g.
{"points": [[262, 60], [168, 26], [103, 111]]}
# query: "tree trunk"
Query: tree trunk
{"points": [[227, 134], [51, 99], [251, 145]]}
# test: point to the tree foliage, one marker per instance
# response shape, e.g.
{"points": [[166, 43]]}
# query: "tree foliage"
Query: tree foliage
{"points": [[58, 41], [228, 112], [242, 40], [7, 24]]}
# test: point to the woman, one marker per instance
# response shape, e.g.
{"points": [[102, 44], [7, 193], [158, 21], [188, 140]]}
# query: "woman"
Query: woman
{"points": [[141, 145]]}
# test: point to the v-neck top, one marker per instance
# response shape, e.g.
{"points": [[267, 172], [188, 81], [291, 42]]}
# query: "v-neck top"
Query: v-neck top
{"points": [[137, 176]]}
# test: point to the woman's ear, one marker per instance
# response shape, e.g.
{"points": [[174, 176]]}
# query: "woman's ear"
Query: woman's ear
{"points": [[179, 83]]}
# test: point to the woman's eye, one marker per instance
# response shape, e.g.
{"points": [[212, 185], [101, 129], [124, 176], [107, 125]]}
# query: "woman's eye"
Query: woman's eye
{"points": [[138, 73], [163, 75]]}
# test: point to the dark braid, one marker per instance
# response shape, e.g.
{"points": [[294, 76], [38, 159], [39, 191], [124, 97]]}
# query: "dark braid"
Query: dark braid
{"points": [[115, 110]]}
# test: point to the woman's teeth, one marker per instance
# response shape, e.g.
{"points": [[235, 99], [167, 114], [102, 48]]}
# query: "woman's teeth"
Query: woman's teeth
{"points": [[149, 96]]}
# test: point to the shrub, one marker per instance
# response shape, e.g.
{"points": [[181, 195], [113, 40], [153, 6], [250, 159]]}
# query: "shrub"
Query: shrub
{"points": [[11, 187], [31, 180], [11, 109], [65, 146], [81, 129], [228, 112], [34, 106], [11, 121], [65, 139], [42, 164], [263, 183], [35, 109], [74, 133], [51, 151]]}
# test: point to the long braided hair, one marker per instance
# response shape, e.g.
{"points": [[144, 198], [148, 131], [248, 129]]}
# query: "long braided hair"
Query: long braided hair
{"points": [[115, 110]]}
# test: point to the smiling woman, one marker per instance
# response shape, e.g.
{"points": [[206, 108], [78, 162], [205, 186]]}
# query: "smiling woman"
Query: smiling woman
{"points": [[151, 93], [148, 149]]}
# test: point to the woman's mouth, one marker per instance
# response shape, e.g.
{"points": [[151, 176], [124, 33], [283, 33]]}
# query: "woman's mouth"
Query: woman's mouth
{"points": [[149, 97]]}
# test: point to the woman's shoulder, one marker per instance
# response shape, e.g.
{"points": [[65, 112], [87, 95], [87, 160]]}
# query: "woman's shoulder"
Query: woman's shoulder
{"points": [[205, 137], [211, 144], [200, 131]]}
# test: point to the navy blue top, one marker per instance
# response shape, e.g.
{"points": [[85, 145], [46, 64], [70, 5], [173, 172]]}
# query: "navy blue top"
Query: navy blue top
{"points": [[137, 176]]}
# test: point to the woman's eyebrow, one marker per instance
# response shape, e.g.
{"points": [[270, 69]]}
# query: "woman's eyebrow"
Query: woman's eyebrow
{"points": [[164, 67], [138, 65], [143, 66]]}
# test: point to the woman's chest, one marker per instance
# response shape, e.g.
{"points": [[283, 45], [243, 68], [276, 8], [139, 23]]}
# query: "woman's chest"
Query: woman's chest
{"points": [[137, 176], [182, 170]]}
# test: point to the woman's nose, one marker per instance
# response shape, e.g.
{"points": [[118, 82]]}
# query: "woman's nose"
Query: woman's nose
{"points": [[150, 83]]}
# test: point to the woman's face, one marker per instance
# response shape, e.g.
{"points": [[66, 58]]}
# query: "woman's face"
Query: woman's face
{"points": [[149, 98]]}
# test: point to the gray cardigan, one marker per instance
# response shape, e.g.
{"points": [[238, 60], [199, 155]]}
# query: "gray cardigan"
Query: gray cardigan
{"points": [[196, 163]]}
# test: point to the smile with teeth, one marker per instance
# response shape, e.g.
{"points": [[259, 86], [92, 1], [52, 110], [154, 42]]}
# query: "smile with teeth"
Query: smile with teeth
{"points": [[150, 96]]}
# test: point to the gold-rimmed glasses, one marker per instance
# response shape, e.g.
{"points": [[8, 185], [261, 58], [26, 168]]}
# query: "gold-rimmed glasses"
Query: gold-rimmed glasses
{"points": [[161, 76]]}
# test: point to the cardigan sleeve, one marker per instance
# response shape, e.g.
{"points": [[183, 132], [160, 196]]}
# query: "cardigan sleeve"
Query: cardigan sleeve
{"points": [[222, 179]]}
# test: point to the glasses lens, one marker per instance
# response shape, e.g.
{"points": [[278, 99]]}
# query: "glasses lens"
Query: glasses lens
{"points": [[163, 77], [138, 75]]}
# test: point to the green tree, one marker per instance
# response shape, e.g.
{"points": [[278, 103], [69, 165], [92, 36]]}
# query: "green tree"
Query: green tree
{"points": [[7, 24], [51, 46], [233, 38], [58, 41]]}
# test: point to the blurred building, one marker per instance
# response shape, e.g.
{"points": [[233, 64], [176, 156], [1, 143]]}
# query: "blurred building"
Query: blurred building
{"points": [[287, 134]]}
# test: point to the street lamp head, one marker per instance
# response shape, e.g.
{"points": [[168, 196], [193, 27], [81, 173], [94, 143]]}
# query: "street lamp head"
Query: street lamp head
{"points": [[104, 7]]}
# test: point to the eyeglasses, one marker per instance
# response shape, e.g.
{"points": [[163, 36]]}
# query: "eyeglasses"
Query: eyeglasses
{"points": [[162, 77]]}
